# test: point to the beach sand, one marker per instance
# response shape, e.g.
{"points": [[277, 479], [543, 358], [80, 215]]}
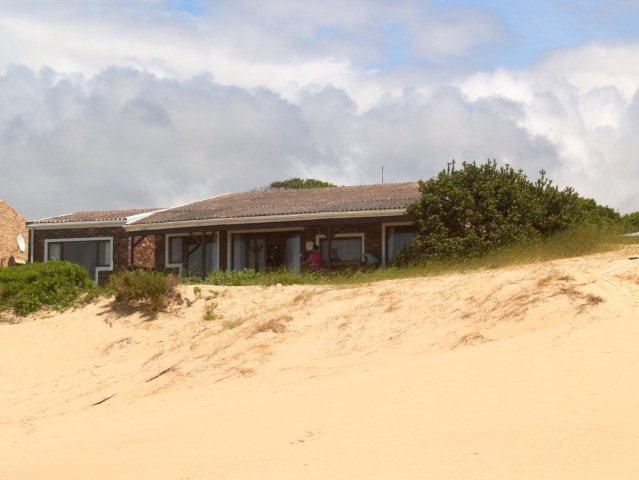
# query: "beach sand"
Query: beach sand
{"points": [[526, 372]]}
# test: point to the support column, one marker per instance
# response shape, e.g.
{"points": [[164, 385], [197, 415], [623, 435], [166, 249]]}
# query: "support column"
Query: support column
{"points": [[131, 251], [204, 239], [329, 241]]}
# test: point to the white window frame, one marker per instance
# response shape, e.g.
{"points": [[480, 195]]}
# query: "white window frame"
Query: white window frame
{"points": [[361, 235], [109, 268], [179, 266], [384, 227]]}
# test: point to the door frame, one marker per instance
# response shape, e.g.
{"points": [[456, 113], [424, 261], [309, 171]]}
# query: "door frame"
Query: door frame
{"points": [[230, 233]]}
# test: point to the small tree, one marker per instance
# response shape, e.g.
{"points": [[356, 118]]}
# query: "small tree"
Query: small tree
{"points": [[469, 211], [299, 183]]}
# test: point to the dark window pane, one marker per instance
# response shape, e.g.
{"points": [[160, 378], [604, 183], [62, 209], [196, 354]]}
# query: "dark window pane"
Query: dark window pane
{"points": [[55, 251], [347, 249], [398, 239], [82, 253], [175, 250], [104, 253]]}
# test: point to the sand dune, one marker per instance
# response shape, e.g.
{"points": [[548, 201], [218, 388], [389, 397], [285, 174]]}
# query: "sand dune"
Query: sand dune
{"points": [[527, 372]]}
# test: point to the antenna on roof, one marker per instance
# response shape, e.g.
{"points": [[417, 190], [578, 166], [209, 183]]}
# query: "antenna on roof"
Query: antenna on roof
{"points": [[382, 173]]}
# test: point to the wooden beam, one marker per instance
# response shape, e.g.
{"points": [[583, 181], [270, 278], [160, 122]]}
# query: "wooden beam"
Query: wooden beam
{"points": [[139, 240], [329, 239], [131, 252], [268, 225], [204, 240]]}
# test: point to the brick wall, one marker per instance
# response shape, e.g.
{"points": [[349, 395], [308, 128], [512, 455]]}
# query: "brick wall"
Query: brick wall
{"points": [[11, 225]]}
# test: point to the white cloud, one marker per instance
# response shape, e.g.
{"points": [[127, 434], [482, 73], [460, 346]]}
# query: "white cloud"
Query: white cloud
{"points": [[284, 45], [138, 104]]}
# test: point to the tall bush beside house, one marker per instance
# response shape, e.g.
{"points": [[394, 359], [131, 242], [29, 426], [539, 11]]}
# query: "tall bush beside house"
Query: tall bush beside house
{"points": [[478, 208], [57, 285]]}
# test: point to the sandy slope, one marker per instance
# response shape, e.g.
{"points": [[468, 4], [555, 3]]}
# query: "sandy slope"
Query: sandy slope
{"points": [[528, 373]]}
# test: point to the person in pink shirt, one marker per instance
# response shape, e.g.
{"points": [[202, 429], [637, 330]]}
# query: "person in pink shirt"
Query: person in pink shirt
{"points": [[315, 261]]}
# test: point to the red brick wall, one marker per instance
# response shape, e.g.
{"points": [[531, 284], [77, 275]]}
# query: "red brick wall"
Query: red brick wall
{"points": [[11, 225]]}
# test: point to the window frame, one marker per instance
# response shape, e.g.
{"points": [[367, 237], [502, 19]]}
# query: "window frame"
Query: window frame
{"points": [[180, 266], [99, 267], [385, 227], [320, 236]]}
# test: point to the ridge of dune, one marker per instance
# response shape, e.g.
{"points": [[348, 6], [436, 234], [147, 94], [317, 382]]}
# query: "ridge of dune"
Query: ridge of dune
{"points": [[522, 372]]}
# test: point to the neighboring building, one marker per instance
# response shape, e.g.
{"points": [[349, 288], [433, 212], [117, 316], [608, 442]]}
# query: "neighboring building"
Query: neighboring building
{"points": [[14, 241], [257, 230]]}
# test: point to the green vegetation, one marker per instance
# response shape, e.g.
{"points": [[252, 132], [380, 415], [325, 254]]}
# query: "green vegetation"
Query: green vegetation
{"points": [[143, 288], [57, 285], [483, 208], [299, 183], [630, 222]]}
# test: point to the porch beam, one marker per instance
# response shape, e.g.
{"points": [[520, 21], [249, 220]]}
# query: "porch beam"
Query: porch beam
{"points": [[273, 225]]}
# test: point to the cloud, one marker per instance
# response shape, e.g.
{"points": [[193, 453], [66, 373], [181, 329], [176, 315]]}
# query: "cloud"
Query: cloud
{"points": [[119, 104], [284, 45], [128, 138]]}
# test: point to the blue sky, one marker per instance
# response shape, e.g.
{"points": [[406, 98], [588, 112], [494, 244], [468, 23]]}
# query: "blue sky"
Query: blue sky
{"points": [[174, 100]]}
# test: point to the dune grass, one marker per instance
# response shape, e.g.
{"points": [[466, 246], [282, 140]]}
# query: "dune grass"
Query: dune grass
{"points": [[573, 243], [56, 285]]}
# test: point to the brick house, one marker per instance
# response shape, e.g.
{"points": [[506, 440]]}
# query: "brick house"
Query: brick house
{"points": [[258, 230], [13, 236]]}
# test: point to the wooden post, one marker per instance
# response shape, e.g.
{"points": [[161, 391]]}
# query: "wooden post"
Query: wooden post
{"points": [[132, 251], [204, 239], [329, 240]]}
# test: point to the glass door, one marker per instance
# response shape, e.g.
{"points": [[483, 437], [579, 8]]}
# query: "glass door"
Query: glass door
{"points": [[293, 252]]}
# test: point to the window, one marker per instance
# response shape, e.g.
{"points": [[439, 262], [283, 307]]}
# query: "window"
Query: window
{"points": [[343, 249], [398, 238], [90, 254], [175, 250], [186, 252]]}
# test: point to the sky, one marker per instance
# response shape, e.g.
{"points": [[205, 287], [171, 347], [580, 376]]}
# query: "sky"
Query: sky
{"points": [[153, 103]]}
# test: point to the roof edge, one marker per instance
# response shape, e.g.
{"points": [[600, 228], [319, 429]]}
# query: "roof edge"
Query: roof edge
{"points": [[63, 225], [265, 219]]}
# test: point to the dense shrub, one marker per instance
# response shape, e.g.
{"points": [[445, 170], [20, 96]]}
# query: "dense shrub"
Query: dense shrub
{"points": [[630, 222], [480, 208], [298, 183], [58, 285], [143, 288]]}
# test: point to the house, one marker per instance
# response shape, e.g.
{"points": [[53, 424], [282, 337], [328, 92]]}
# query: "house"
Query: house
{"points": [[13, 236], [257, 230]]}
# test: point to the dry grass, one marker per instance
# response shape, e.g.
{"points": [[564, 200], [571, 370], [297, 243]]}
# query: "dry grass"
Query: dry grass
{"points": [[209, 312], [118, 343], [275, 325], [231, 324], [590, 300]]}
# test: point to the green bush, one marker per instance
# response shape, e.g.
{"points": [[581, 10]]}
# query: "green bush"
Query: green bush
{"points": [[300, 183], [482, 208], [630, 222], [57, 285], [143, 288]]}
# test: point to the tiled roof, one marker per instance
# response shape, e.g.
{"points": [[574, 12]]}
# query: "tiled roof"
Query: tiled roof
{"points": [[264, 203], [103, 216]]}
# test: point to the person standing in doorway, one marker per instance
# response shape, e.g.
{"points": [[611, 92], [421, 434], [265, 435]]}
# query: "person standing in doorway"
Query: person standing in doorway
{"points": [[315, 261]]}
